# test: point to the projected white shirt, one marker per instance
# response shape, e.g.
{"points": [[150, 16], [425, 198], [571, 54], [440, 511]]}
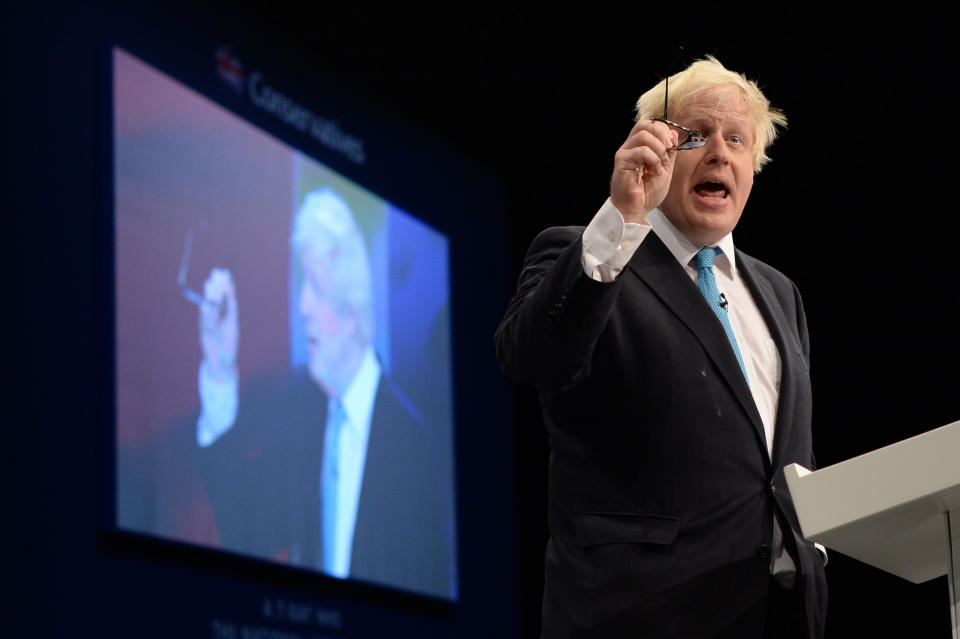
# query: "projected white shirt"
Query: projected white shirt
{"points": [[348, 452], [346, 448]]}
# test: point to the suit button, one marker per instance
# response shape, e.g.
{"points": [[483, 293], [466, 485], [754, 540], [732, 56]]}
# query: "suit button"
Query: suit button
{"points": [[763, 551], [773, 486]]}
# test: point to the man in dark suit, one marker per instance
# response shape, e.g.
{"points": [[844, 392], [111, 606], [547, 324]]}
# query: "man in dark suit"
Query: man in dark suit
{"points": [[334, 469], [673, 374]]}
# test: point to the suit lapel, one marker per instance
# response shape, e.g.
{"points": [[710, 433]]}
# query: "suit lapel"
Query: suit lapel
{"points": [[790, 365], [658, 269]]}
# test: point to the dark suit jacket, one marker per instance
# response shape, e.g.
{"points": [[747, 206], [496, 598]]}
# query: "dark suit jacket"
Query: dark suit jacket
{"points": [[662, 495], [263, 478]]}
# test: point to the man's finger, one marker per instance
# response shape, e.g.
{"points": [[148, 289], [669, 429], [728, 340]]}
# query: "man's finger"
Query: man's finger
{"points": [[649, 140], [650, 130], [640, 157]]}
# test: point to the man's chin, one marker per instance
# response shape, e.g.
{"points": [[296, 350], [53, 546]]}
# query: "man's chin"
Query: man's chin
{"points": [[318, 378], [708, 232], [705, 222]]}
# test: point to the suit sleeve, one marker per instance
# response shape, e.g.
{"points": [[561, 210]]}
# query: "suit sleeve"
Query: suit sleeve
{"points": [[558, 313]]}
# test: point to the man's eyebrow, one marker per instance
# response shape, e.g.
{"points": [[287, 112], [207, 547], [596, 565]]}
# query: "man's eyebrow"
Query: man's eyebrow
{"points": [[710, 122]]}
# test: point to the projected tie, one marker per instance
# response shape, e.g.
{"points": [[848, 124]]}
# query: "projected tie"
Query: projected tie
{"points": [[708, 286], [329, 485]]}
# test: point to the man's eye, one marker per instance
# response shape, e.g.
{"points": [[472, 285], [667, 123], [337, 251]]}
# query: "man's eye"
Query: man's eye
{"points": [[736, 139]]}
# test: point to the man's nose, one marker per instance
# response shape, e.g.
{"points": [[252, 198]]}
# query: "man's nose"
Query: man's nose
{"points": [[716, 150]]}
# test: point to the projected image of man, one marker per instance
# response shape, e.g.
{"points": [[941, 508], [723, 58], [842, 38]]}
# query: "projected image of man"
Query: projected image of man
{"points": [[336, 307], [353, 450]]}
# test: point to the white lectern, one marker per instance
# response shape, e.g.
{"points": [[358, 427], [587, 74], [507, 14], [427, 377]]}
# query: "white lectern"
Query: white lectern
{"points": [[896, 508]]}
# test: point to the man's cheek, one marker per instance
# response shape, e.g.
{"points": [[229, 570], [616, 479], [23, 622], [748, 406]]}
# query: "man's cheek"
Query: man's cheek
{"points": [[330, 324]]}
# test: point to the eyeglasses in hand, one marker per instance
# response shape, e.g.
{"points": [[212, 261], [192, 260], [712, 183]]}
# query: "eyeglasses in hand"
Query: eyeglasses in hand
{"points": [[689, 138]]}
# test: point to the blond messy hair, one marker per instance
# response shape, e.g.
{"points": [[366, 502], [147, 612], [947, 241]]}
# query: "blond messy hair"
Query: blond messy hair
{"points": [[326, 233], [708, 76]]}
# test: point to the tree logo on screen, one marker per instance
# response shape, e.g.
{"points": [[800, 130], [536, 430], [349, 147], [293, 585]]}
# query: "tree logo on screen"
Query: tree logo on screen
{"points": [[230, 69]]}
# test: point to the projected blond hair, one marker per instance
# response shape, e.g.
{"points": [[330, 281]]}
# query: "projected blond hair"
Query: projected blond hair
{"points": [[326, 233], [709, 76]]}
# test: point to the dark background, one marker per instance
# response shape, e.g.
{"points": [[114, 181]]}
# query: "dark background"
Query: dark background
{"points": [[858, 207]]}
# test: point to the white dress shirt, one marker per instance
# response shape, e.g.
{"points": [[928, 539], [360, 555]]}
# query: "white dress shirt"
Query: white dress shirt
{"points": [[219, 400], [349, 452]]}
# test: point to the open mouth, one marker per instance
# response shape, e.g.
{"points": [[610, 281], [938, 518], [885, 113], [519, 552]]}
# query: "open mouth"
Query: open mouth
{"points": [[711, 190]]}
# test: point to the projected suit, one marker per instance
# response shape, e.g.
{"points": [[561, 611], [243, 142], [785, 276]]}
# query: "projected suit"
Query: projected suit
{"points": [[262, 478], [662, 496], [350, 475]]}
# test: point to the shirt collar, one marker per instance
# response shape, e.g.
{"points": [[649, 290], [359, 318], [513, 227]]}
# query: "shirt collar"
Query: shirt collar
{"points": [[684, 250], [360, 394]]}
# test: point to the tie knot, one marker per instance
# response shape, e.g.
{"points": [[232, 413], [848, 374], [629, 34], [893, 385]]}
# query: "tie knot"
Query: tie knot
{"points": [[706, 255]]}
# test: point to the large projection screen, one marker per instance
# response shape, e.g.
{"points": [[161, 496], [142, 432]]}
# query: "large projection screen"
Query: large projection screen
{"points": [[282, 350]]}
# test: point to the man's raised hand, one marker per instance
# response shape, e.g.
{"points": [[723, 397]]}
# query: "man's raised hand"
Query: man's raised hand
{"points": [[642, 169]]}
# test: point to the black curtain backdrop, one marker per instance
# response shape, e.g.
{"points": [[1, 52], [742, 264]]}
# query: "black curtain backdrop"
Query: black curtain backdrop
{"points": [[858, 207]]}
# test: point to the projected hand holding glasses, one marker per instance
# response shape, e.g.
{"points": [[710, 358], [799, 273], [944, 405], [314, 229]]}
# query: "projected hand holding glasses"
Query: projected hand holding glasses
{"points": [[338, 468], [219, 330]]}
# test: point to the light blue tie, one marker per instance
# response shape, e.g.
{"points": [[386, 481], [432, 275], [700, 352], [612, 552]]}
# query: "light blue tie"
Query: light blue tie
{"points": [[707, 284], [330, 476]]}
